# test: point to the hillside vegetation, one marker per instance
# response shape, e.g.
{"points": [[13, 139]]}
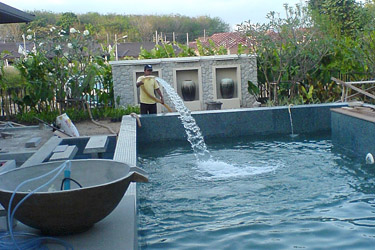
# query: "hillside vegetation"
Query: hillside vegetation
{"points": [[138, 28]]}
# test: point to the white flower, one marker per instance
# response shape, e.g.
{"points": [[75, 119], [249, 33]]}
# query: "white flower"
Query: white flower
{"points": [[70, 46], [41, 63], [62, 31], [58, 47], [29, 37], [86, 33], [29, 30], [52, 29], [66, 54], [41, 44], [50, 74], [73, 30]]}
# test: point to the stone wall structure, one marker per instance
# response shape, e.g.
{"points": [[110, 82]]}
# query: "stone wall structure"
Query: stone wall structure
{"points": [[205, 71]]}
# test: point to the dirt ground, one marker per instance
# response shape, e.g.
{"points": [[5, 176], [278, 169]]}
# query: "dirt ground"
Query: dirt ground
{"points": [[89, 128]]}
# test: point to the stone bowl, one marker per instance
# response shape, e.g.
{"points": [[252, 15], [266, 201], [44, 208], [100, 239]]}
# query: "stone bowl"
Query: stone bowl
{"points": [[62, 212]]}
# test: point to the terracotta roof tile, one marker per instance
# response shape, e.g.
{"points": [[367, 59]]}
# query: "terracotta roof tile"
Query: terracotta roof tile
{"points": [[228, 40]]}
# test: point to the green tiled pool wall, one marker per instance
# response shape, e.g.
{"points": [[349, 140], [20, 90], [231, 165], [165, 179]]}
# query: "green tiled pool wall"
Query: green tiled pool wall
{"points": [[356, 136], [239, 122]]}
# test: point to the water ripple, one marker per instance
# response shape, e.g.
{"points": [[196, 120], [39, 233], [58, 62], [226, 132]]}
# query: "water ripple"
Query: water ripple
{"points": [[271, 194]]}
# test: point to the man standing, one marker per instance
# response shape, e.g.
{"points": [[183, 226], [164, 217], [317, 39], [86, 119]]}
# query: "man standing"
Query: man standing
{"points": [[148, 85]]}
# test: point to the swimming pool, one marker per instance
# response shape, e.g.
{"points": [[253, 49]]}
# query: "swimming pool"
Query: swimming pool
{"points": [[262, 193]]}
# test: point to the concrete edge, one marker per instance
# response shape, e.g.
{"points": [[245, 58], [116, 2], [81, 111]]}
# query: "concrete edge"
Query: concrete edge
{"points": [[180, 59], [126, 151]]}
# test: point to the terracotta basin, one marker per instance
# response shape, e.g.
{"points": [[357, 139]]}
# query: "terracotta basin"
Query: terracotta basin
{"points": [[61, 212]]}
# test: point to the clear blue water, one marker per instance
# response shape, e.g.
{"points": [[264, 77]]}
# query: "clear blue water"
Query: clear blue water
{"points": [[274, 193]]}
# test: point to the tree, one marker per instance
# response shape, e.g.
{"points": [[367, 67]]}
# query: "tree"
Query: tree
{"points": [[64, 67], [67, 20], [287, 49], [10, 80], [11, 32], [136, 27], [144, 27], [342, 17]]}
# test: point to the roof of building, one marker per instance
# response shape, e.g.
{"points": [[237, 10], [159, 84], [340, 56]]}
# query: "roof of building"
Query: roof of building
{"points": [[134, 48], [227, 39], [9, 14], [12, 49], [123, 49]]}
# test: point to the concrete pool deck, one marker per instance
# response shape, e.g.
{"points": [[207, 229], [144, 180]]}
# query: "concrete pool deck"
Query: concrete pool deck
{"points": [[14, 147], [119, 229]]}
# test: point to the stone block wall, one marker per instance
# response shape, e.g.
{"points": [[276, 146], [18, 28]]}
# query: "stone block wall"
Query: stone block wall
{"points": [[125, 73]]}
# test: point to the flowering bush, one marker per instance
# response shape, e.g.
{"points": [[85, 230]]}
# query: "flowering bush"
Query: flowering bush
{"points": [[64, 69]]}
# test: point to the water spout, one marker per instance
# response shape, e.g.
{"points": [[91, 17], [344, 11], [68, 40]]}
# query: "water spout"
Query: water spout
{"points": [[291, 121]]}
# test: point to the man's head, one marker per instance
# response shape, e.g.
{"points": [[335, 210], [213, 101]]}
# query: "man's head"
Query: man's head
{"points": [[148, 69]]}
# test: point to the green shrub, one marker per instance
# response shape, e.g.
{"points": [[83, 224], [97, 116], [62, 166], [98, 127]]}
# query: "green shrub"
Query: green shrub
{"points": [[76, 115], [11, 77], [28, 118]]}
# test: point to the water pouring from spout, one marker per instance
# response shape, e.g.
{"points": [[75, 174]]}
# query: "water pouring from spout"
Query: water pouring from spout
{"points": [[210, 167], [291, 121], [194, 135]]}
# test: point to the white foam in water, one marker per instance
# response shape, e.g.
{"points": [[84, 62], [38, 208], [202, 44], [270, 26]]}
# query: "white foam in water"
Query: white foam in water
{"points": [[213, 169]]}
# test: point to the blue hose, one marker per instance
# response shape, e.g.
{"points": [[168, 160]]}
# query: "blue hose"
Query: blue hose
{"points": [[36, 241], [67, 177]]}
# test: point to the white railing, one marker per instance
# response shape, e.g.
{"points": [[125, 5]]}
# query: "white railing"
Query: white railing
{"points": [[347, 85]]}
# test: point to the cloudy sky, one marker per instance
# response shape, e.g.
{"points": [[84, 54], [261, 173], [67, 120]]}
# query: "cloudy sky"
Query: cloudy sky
{"points": [[230, 11]]}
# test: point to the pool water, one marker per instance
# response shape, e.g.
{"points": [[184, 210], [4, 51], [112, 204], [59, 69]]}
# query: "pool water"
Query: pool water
{"points": [[263, 193]]}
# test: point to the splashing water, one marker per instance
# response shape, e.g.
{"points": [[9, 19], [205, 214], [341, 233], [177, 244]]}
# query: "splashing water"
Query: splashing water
{"points": [[192, 130], [210, 168], [216, 170]]}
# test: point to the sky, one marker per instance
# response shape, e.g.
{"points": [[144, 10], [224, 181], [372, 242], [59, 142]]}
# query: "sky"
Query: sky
{"points": [[230, 11]]}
